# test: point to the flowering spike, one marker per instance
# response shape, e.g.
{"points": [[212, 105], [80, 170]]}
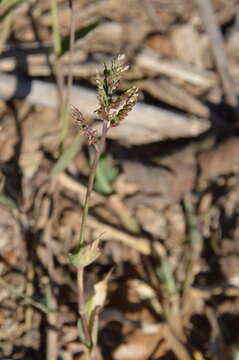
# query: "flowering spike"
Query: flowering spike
{"points": [[84, 126], [114, 108], [131, 96]]}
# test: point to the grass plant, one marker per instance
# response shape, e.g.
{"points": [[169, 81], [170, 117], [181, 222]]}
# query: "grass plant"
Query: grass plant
{"points": [[113, 109]]}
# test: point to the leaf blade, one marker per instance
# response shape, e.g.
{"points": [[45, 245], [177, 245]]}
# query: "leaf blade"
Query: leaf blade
{"points": [[105, 175], [79, 34], [68, 155]]}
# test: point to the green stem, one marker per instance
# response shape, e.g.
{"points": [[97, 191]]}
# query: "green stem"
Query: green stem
{"points": [[80, 270], [99, 150]]}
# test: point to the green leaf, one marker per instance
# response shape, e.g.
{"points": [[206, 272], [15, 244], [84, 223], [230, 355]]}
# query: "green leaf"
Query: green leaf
{"points": [[105, 175], [68, 155], [81, 334], [194, 234], [95, 328], [79, 34], [7, 201], [10, 8], [89, 308], [86, 255], [166, 276]]}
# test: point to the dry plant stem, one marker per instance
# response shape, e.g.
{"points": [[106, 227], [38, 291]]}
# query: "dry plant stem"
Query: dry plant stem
{"points": [[81, 301], [60, 83], [80, 270], [72, 41], [52, 341], [57, 51], [5, 31], [64, 128], [52, 317]]}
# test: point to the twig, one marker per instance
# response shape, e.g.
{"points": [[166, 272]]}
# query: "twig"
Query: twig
{"points": [[174, 95], [73, 185], [216, 40], [149, 61], [161, 124], [140, 244]]}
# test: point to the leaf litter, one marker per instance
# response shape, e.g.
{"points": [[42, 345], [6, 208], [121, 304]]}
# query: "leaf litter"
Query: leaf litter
{"points": [[165, 203]]}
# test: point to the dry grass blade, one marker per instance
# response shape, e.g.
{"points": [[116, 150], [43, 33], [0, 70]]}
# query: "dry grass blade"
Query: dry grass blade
{"points": [[216, 41], [28, 300], [68, 155]]}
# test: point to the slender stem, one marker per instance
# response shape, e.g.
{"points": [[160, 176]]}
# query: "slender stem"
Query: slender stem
{"points": [[65, 115], [81, 302], [80, 270], [72, 41], [99, 150], [55, 28], [57, 46]]}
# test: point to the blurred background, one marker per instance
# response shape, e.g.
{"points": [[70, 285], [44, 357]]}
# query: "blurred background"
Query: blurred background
{"points": [[166, 195]]}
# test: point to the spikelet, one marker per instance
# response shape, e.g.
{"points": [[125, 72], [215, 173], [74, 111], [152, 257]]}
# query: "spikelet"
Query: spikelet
{"points": [[114, 108], [83, 125]]}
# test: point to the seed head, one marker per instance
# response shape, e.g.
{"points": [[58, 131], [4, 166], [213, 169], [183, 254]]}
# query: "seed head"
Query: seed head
{"points": [[83, 125], [114, 108]]}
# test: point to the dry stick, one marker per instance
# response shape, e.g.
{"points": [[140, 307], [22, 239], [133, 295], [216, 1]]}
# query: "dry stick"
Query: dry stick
{"points": [[135, 130], [216, 39], [150, 61]]}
